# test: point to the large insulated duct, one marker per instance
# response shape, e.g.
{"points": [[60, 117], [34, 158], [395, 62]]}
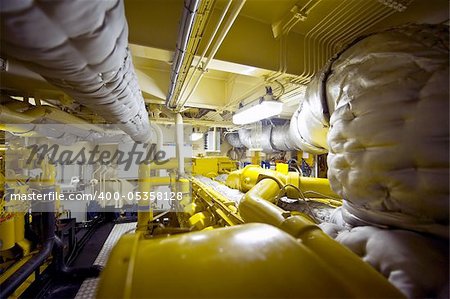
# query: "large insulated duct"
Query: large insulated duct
{"points": [[257, 138], [233, 140], [80, 47], [281, 139], [309, 126], [388, 138], [268, 139]]}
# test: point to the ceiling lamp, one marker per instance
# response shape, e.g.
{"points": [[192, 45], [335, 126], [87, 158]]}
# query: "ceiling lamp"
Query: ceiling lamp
{"points": [[265, 107]]}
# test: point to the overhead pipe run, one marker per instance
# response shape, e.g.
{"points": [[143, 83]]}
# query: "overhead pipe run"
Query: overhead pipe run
{"points": [[39, 120], [281, 30], [94, 69], [10, 115], [223, 33], [180, 60], [197, 66]]}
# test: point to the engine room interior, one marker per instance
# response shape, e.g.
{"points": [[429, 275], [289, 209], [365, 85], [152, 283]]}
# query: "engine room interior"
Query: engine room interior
{"points": [[224, 149]]}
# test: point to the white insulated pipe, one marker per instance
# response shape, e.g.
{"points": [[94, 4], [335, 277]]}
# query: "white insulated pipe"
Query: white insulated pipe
{"points": [[159, 136], [179, 142], [94, 69]]}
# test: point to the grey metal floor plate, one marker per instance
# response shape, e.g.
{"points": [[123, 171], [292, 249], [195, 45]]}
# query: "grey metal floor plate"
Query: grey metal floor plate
{"points": [[89, 287], [114, 236]]}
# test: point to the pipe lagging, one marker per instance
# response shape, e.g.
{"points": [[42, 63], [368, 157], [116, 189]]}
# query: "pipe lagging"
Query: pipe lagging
{"points": [[278, 138], [233, 140], [95, 70]]}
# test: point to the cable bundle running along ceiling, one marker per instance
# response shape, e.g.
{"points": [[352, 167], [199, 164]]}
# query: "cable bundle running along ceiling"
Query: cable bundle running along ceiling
{"points": [[348, 20]]}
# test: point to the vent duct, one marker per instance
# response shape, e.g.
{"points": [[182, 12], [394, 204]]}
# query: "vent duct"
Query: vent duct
{"points": [[81, 48]]}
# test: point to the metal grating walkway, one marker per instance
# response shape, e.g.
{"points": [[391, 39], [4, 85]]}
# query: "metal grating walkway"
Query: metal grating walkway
{"points": [[89, 287]]}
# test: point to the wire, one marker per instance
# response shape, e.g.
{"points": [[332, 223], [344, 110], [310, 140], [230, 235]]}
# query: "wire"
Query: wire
{"points": [[301, 195]]}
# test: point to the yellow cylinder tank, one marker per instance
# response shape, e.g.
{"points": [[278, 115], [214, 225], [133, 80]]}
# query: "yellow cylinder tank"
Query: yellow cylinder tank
{"points": [[7, 236], [19, 226], [245, 261]]}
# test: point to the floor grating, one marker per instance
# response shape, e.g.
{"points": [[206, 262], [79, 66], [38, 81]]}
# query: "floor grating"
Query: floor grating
{"points": [[89, 287]]}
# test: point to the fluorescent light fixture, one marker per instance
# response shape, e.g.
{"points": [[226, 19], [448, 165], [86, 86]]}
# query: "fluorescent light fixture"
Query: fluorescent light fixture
{"points": [[262, 110], [196, 136]]}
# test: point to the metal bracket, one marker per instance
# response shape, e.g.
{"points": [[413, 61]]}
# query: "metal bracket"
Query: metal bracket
{"points": [[290, 19]]}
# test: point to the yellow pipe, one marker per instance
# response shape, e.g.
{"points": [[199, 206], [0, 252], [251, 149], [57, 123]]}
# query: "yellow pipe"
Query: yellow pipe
{"points": [[48, 173], [316, 187], [19, 227], [66, 118], [246, 178], [8, 116], [257, 206], [145, 184], [17, 128], [145, 212], [156, 181], [256, 157], [169, 164]]}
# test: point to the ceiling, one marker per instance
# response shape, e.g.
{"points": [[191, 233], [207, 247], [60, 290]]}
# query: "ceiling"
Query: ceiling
{"points": [[250, 56]]}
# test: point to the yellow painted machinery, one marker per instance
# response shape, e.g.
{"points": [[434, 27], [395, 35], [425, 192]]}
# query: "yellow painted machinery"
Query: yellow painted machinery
{"points": [[13, 244], [250, 249], [146, 184], [245, 261], [16, 252], [212, 166], [209, 208], [22, 260], [246, 178]]}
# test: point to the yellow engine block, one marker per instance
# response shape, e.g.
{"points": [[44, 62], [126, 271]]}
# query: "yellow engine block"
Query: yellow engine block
{"points": [[252, 249]]}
